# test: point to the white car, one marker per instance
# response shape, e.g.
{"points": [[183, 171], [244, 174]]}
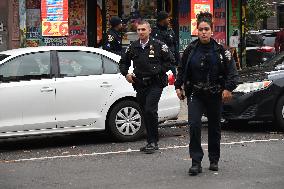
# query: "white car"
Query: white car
{"points": [[45, 90]]}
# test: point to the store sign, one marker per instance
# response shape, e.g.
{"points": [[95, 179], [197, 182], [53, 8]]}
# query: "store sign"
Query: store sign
{"points": [[198, 6], [184, 24], [219, 32], [55, 41], [54, 17]]}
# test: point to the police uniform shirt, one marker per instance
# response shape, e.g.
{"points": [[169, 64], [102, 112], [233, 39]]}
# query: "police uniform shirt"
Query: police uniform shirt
{"points": [[202, 64], [154, 59], [167, 36], [143, 45], [113, 42]]}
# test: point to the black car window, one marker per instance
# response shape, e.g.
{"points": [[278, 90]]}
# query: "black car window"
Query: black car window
{"points": [[110, 67], [26, 67], [254, 40], [78, 63], [3, 56]]}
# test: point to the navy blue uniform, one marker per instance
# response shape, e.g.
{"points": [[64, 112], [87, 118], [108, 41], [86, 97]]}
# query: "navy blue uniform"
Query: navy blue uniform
{"points": [[113, 42], [150, 67], [205, 71], [167, 35]]}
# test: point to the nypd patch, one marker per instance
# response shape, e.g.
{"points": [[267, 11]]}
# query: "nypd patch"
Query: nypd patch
{"points": [[228, 55], [110, 38]]}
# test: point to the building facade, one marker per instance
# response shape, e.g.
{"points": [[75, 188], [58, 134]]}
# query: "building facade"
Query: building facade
{"points": [[28, 23]]}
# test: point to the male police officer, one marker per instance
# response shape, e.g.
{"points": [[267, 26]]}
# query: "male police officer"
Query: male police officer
{"points": [[165, 34], [113, 41], [151, 60]]}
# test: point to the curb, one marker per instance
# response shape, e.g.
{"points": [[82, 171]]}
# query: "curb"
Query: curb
{"points": [[175, 123]]}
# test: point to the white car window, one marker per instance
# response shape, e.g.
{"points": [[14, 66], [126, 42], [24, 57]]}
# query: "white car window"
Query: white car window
{"points": [[78, 63], [110, 67], [28, 66]]}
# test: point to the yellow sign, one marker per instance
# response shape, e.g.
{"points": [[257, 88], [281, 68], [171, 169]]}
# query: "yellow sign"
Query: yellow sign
{"points": [[54, 28]]}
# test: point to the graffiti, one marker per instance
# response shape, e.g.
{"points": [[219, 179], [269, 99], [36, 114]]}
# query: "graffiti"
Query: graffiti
{"points": [[77, 36], [22, 14], [77, 31], [33, 4]]}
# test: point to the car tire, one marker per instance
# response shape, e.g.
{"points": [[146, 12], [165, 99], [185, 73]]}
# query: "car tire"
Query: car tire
{"points": [[279, 113], [125, 121]]}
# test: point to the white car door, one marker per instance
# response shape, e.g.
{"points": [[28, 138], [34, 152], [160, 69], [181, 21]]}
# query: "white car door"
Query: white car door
{"points": [[82, 89], [27, 95]]}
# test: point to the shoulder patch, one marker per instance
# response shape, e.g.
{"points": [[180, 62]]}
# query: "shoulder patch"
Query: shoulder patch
{"points": [[228, 54], [110, 38], [165, 48]]}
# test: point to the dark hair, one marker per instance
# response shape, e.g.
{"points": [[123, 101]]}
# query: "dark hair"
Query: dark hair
{"points": [[162, 15], [141, 22], [205, 17]]}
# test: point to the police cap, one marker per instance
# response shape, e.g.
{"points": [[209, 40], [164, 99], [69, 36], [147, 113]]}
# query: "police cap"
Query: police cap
{"points": [[114, 21], [162, 15]]}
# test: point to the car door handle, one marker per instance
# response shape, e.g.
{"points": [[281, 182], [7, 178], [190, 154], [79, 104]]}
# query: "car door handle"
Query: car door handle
{"points": [[105, 84], [46, 89]]}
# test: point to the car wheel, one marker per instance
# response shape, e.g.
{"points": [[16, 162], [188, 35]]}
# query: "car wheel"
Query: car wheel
{"points": [[126, 122], [279, 113]]}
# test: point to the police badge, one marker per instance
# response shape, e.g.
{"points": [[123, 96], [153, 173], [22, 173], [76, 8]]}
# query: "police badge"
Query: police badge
{"points": [[152, 52], [165, 48]]}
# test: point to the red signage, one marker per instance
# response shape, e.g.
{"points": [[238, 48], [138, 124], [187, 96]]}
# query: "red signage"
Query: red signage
{"points": [[198, 6], [54, 14]]}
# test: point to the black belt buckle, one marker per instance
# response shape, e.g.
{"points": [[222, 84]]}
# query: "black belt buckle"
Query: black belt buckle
{"points": [[147, 81]]}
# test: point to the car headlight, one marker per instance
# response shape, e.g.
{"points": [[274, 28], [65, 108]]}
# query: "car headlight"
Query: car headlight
{"points": [[249, 87]]}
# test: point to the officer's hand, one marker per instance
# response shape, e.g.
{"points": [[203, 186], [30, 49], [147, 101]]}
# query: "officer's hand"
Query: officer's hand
{"points": [[226, 96], [129, 78], [180, 94]]}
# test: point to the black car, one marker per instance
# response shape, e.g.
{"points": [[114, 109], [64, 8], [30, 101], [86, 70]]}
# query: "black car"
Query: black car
{"points": [[260, 95], [256, 51]]}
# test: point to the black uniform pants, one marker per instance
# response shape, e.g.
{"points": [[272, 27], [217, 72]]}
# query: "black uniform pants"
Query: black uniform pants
{"points": [[148, 99], [212, 104]]}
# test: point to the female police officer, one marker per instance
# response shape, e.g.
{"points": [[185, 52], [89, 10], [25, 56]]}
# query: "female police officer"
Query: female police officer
{"points": [[207, 74], [151, 60]]}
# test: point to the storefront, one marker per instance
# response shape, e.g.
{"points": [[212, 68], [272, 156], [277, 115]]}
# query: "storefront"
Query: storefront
{"points": [[132, 11], [85, 22]]}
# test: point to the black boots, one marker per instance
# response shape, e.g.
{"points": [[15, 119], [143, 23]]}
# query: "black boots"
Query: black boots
{"points": [[195, 168], [213, 166], [150, 148]]}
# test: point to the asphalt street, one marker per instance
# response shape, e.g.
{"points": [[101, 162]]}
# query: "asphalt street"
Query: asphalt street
{"points": [[252, 156]]}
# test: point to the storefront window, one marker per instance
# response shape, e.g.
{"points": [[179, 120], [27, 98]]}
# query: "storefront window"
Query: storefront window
{"points": [[132, 12]]}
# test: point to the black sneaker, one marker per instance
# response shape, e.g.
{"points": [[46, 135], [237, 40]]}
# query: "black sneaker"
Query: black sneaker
{"points": [[195, 169], [156, 146], [213, 166], [148, 149]]}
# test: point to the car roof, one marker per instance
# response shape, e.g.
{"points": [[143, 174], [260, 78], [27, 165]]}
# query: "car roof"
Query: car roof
{"points": [[20, 51]]}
